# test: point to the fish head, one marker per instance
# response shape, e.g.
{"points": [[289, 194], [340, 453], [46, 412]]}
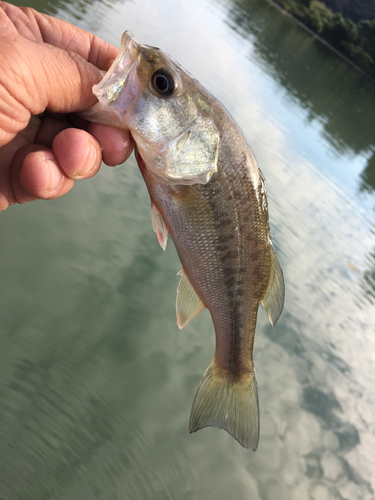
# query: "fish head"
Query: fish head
{"points": [[165, 109]]}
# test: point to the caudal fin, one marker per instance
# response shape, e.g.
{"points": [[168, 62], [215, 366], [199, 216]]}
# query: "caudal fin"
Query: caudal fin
{"points": [[228, 403]]}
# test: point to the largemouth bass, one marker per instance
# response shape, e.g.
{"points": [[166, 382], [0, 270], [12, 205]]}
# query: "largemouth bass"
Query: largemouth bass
{"points": [[208, 193]]}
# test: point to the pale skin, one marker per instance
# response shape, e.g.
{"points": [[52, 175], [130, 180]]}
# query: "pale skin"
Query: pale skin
{"points": [[48, 68]]}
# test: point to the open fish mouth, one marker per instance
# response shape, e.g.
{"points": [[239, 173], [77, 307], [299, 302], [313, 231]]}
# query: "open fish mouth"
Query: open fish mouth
{"points": [[117, 77], [121, 76]]}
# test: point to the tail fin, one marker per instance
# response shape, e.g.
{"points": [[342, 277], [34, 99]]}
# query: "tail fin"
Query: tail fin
{"points": [[228, 403]]}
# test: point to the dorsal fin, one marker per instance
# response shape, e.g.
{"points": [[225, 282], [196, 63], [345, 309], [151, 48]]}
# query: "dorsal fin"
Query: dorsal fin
{"points": [[188, 304], [273, 301]]}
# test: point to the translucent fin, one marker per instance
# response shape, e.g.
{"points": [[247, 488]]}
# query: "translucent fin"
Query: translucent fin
{"points": [[188, 304], [228, 403], [158, 225], [273, 301]]}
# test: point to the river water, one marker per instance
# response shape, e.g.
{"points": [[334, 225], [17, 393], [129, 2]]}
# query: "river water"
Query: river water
{"points": [[96, 380]]}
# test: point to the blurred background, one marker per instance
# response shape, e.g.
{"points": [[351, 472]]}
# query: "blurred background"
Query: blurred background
{"points": [[96, 380]]}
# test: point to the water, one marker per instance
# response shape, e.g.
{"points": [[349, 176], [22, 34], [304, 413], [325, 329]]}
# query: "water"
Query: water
{"points": [[96, 381]]}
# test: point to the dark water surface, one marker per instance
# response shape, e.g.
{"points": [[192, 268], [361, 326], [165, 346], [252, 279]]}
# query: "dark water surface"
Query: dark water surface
{"points": [[96, 380]]}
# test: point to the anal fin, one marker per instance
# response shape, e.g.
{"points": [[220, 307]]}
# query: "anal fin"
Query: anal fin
{"points": [[188, 304]]}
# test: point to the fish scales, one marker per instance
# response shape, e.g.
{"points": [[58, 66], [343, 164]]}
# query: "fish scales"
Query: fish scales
{"points": [[208, 193]]}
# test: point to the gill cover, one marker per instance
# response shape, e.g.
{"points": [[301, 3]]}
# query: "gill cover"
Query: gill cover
{"points": [[189, 158]]}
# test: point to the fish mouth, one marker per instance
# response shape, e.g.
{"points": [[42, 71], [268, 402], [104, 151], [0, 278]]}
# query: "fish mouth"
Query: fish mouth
{"points": [[117, 77], [120, 85]]}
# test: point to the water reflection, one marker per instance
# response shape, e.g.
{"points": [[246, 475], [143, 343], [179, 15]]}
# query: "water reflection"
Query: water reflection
{"points": [[367, 177], [343, 102], [78, 12], [368, 280], [324, 428]]}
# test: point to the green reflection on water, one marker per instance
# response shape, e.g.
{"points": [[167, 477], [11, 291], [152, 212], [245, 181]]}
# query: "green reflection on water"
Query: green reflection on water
{"points": [[79, 9], [343, 101]]}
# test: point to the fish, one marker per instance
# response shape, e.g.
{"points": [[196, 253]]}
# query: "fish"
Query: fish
{"points": [[207, 192]]}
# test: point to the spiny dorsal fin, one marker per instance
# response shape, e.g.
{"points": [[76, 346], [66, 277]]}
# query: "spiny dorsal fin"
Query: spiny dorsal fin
{"points": [[188, 304], [273, 301], [158, 225]]}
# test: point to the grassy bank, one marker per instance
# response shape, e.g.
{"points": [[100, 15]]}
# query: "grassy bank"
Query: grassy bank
{"points": [[355, 40]]}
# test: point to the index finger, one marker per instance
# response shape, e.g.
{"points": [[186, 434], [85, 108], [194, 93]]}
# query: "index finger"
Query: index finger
{"points": [[43, 28]]}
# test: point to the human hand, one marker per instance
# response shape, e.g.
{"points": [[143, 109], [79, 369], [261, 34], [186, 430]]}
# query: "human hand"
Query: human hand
{"points": [[48, 68]]}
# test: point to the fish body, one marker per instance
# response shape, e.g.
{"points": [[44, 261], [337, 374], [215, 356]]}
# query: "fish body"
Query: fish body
{"points": [[208, 193]]}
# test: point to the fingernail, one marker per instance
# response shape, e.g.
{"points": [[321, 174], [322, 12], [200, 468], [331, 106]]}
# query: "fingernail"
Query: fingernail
{"points": [[89, 163], [53, 173]]}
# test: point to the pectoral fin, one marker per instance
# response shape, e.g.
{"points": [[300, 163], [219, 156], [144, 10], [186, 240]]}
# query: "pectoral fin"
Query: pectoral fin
{"points": [[188, 304], [273, 300], [158, 225]]}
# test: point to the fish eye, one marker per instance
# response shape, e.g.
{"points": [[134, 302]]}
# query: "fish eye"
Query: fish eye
{"points": [[163, 82]]}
